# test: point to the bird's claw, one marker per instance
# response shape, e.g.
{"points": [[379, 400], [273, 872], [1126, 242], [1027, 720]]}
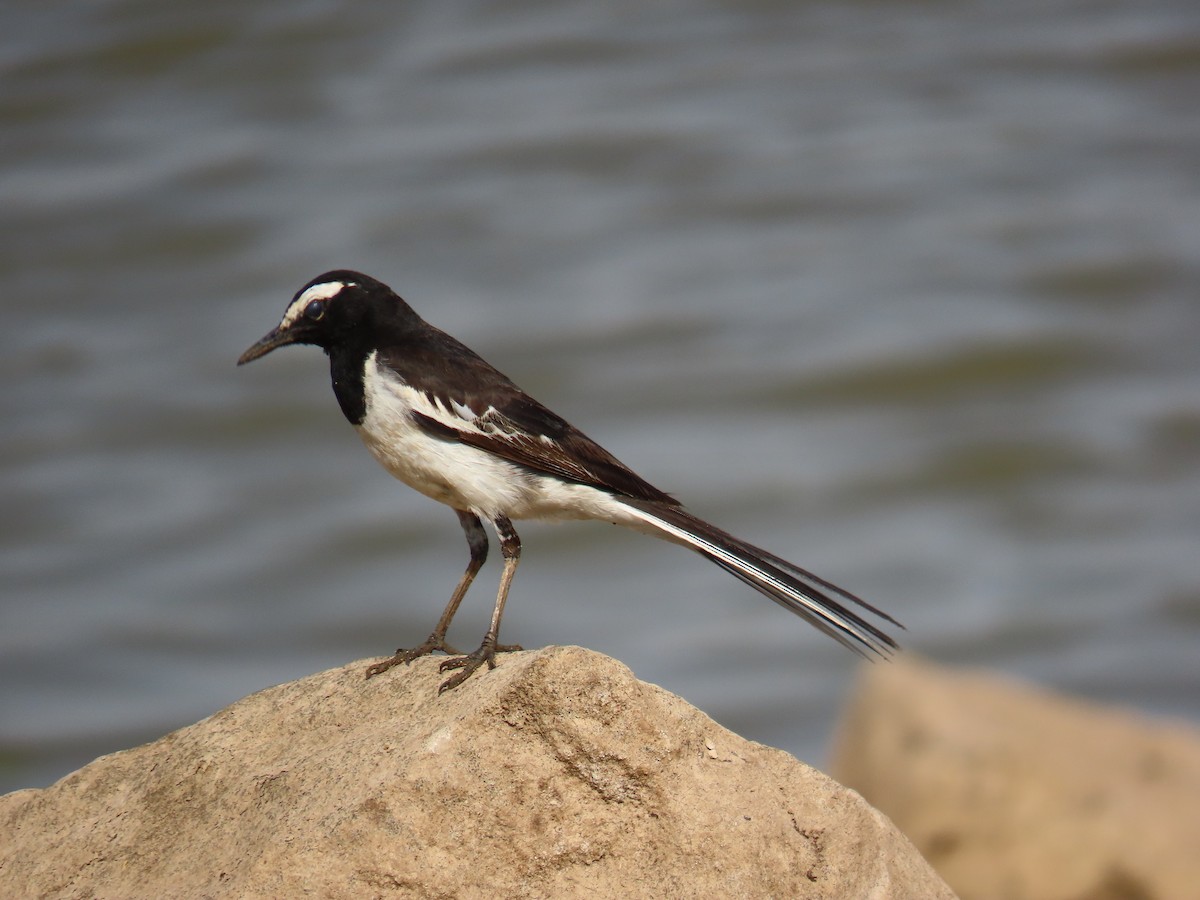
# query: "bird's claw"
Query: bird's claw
{"points": [[470, 662], [433, 644]]}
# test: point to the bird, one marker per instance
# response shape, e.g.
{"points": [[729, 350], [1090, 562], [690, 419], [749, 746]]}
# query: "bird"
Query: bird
{"points": [[445, 422]]}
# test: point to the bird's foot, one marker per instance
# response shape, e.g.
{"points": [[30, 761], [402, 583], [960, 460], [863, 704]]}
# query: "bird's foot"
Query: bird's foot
{"points": [[432, 644], [470, 662]]}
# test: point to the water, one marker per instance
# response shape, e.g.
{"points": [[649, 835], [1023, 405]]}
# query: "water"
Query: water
{"points": [[906, 292]]}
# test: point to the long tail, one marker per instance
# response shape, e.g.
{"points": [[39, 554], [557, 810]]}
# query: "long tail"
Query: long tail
{"points": [[790, 586]]}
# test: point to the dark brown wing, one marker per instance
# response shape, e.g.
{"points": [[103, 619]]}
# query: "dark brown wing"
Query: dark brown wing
{"points": [[514, 426]]}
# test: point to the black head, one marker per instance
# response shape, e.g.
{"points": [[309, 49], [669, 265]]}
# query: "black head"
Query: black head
{"points": [[337, 308]]}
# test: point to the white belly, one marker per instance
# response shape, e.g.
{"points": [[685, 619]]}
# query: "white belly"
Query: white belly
{"points": [[462, 476]]}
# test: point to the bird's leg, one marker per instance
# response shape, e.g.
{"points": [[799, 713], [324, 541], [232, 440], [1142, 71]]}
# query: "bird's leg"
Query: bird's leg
{"points": [[478, 542], [510, 546]]}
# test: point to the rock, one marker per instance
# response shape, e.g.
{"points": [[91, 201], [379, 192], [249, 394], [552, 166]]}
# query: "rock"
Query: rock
{"points": [[1015, 793], [558, 774]]}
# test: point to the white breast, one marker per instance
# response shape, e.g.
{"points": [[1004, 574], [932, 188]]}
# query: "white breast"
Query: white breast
{"points": [[459, 475]]}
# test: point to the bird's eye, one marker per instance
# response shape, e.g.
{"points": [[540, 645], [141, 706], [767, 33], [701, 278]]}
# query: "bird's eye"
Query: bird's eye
{"points": [[314, 310]]}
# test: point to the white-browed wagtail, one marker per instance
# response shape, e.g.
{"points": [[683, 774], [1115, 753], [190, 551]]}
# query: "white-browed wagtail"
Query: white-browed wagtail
{"points": [[443, 421]]}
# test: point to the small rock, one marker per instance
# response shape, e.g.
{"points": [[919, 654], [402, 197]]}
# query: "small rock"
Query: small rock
{"points": [[1014, 793]]}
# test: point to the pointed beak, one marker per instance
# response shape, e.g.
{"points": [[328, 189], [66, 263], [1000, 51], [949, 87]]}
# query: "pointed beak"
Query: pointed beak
{"points": [[270, 341]]}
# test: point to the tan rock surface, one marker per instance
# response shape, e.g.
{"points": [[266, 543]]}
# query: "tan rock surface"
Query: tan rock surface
{"points": [[1016, 793], [556, 775]]}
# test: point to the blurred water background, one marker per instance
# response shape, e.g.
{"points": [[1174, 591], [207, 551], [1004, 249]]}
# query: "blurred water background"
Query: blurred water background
{"points": [[904, 291]]}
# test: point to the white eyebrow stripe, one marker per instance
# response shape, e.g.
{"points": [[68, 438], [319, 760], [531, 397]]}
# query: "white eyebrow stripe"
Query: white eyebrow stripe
{"points": [[326, 290]]}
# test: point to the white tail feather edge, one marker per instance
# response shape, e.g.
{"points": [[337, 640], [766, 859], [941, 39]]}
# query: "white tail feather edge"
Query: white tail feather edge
{"points": [[771, 581]]}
